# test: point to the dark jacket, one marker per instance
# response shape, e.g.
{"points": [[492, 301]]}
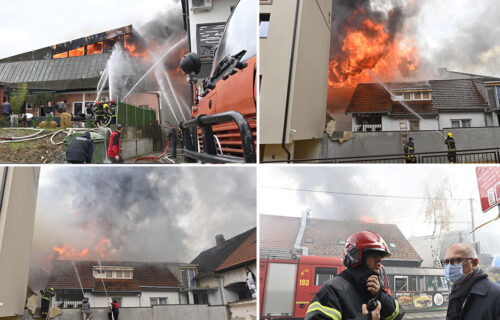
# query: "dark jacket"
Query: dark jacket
{"points": [[409, 150], [342, 297], [172, 135], [114, 144], [477, 298], [80, 149], [47, 294], [450, 142], [6, 109]]}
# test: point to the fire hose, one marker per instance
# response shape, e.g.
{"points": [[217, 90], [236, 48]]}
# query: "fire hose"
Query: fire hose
{"points": [[154, 158]]}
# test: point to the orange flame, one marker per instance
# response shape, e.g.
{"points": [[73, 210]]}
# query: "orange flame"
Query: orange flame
{"points": [[103, 247], [133, 50], [95, 48], [371, 48], [367, 219], [66, 252]]}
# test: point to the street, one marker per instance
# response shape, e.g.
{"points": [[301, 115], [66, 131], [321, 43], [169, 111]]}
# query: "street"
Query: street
{"points": [[432, 315]]}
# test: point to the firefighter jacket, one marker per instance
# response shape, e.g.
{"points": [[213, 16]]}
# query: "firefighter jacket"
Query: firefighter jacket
{"points": [[342, 298], [450, 142], [409, 150], [114, 144], [80, 149], [47, 294], [112, 110]]}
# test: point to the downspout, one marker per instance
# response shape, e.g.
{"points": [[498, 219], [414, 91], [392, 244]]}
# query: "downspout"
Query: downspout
{"points": [[285, 120], [300, 234], [188, 30]]}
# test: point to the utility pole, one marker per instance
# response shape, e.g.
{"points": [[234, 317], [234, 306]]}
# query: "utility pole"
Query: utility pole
{"points": [[472, 219]]}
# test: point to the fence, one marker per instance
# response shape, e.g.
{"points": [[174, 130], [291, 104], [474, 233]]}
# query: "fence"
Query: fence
{"points": [[490, 155], [139, 117]]}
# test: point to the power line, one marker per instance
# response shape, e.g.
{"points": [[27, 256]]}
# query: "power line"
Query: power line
{"points": [[367, 194]]}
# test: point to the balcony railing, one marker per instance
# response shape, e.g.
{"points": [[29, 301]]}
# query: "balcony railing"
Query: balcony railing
{"points": [[366, 127]]}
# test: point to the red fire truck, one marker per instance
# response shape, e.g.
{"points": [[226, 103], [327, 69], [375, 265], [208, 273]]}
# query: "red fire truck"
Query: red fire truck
{"points": [[224, 124], [288, 285]]}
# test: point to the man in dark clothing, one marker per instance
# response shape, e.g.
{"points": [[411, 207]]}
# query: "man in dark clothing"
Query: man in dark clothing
{"points": [[452, 150], [348, 295], [114, 148], [473, 295], [410, 151], [80, 149], [47, 295], [172, 138], [6, 112], [112, 111]]}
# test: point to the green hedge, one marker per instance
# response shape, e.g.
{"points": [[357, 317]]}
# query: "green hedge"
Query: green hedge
{"points": [[134, 116]]}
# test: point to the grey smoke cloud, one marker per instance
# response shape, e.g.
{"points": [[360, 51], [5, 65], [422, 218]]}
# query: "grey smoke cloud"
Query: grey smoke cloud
{"points": [[148, 214]]}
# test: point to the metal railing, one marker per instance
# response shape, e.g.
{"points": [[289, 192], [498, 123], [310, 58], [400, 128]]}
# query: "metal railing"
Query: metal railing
{"points": [[366, 127], [69, 304], [491, 155], [209, 153]]}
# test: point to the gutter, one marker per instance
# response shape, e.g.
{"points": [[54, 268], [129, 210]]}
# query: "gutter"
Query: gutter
{"points": [[287, 104]]}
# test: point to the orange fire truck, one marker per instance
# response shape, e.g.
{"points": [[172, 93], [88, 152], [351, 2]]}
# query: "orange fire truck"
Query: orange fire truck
{"points": [[288, 285], [223, 128]]}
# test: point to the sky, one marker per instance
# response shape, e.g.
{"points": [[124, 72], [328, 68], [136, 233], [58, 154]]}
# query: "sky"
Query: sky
{"points": [[29, 24], [275, 196], [146, 213]]}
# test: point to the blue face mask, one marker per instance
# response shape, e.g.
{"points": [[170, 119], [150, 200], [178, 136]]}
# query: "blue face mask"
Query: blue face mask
{"points": [[454, 274]]}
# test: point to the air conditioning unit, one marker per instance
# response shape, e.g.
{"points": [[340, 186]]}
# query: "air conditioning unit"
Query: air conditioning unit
{"points": [[201, 5]]}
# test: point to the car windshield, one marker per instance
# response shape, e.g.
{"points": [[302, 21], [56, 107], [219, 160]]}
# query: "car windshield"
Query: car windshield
{"points": [[240, 33]]}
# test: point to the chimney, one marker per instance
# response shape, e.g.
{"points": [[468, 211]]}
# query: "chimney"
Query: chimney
{"points": [[219, 240]]}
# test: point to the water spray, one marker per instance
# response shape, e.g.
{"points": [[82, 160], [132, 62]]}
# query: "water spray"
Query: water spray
{"points": [[78, 276], [407, 107], [154, 65]]}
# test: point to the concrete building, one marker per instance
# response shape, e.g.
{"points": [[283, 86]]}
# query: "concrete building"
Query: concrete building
{"points": [[18, 194], [222, 276], [293, 73]]}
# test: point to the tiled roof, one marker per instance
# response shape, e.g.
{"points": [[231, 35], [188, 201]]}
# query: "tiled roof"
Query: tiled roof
{"points": [[370, 97], [245, 253], [327, 233], [456, 94], [67, 73], [420, 107], [145, 274], [278, 232], [209, 260]]}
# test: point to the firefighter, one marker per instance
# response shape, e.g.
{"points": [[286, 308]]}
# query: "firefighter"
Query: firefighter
{"points": [[410, 151], [114, 148], [112, 111], [47, 295], [348, 295], [452, 150], [172, 140], [80, 149], [99, 112]]}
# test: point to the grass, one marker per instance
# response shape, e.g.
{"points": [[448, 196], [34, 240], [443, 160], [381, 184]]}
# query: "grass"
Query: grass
{"points": [[18, 145]]}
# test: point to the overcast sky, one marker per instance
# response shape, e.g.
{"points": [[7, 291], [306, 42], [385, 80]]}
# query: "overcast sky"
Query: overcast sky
{"points": [[29, 24], [148, 214], [381, 180]]}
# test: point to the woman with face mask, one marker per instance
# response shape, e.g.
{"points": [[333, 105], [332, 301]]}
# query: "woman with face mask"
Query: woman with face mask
{"points": [[473, 295]]}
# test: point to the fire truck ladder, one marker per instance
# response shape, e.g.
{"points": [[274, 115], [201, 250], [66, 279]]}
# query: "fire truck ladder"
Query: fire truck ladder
{"points": [[443, 279], [437, 262], [403, 131]]}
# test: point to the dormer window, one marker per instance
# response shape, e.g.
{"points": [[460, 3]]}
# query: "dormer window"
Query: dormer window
{"points": [[413, 95], [110, 272]]}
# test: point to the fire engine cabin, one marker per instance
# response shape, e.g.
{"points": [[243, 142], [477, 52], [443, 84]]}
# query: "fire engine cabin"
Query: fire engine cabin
{"points": [[288, 286]]}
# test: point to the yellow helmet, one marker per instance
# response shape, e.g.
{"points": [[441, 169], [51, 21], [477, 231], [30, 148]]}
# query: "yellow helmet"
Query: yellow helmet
{"points": [[51, 289], [450, 134], [105, 105]]}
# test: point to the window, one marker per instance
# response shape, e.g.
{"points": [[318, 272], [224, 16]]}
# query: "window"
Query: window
{"points": [[266, 1], [158, 301], [109, 274], [418, 95], [462, 123], [264, 25], [401, 283], [29, 106], [200, 298], [407, 96], [323, 275], [426, 95], [119, 274], [77, 108], [414, 125], [127, 274], [392, 245], [342, 242], [309, 240]]}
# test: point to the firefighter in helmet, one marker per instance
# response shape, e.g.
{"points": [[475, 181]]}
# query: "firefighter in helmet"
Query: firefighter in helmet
{"points": [[47, 295], [112, 111], [452, 150], [357, 292], [410, 151], [99, 112]]}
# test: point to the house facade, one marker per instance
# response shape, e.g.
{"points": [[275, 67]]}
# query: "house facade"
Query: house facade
{"points": [[132, 284]]}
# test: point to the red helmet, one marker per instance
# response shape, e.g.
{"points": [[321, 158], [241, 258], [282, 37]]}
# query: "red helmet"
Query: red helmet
{"points": [[361, 242], [112, 101]]}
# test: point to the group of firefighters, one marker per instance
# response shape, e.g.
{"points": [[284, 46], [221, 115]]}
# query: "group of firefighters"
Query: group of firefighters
{"points": [[103, 110], [409, 150]]}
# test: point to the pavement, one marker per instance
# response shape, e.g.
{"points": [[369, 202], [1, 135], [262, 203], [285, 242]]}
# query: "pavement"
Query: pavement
{"points": [[429, 315]]}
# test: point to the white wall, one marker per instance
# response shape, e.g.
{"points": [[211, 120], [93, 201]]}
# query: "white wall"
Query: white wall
{"points": [[99, 301], [392, 124], [172, 297], [477, 118]]}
